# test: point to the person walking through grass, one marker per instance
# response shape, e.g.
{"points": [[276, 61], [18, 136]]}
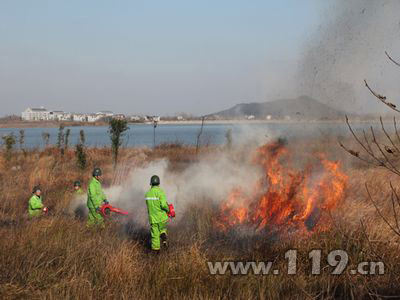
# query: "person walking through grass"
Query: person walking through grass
{"points": [[95, 199], [158, 209]]}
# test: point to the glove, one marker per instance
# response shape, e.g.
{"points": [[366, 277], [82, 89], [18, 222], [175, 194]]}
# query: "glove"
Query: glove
{"points": [[106, 202], [171, 213], [45, 209]]}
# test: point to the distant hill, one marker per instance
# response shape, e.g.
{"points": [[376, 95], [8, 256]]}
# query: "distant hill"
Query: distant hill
{"points": [[301, 108]]}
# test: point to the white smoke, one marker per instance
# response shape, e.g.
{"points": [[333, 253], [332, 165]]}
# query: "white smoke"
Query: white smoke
{"points": [[211, 178], [349, 47]]}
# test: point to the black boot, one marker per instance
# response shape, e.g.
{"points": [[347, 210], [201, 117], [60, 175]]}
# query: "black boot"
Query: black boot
{"points": [[164, 243], [155, 252]]}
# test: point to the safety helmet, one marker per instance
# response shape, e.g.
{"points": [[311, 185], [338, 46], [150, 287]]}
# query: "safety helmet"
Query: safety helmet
{"points": [[155, 180], [77, 183], [36, 188], [97, 172]]}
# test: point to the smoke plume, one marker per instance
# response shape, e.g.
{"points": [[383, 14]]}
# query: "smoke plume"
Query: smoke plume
{"points": [[349, 47]]}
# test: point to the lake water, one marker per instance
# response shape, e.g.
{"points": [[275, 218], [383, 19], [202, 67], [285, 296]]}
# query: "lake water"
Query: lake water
{"points": [[142, 134]]}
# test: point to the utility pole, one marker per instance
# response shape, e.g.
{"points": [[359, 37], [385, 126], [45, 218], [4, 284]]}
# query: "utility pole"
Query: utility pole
{"points": [[155, 122]]}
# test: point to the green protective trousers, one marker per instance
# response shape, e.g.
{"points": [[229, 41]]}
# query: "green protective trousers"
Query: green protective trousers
{"points": [[156, 230], [94, 218]]}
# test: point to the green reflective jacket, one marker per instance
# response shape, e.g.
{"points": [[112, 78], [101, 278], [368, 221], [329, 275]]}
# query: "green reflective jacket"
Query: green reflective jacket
{"points": [[79, 191], [95, 194], [35, 206], [157, 205]]}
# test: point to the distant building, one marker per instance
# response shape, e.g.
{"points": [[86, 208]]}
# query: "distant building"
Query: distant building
{"points": [[119, 116], [59, 115], [136, 118], [105, 113], [79, 117], [180, 118], [94, 117], [35, 114], [55, 115], [42, 114], [153, 118]]}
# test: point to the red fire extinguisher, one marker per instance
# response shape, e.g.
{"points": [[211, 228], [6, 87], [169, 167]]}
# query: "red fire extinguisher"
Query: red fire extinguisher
{"points": [[171, 213]]}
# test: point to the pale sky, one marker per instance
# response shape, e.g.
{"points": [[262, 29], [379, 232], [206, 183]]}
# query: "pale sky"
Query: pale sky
{"points": [[147, 56], [166, 57]]}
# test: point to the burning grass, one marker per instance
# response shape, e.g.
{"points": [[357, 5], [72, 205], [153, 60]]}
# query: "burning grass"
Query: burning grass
{"points": [[58, 257], [285, 198]]}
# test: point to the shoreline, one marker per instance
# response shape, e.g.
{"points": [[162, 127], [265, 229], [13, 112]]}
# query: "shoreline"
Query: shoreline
{"points": [[52, 124]]}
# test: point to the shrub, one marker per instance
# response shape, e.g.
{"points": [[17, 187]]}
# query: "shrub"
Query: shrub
{"points": [[116, 130], [60, 139], [9, 141], [80, 155]]}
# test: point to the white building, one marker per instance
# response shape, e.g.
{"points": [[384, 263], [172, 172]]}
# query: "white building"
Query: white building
{"points": [[55, 115], [59, 115], [153, 118], [65, 117], [136, 118], [79, 117], [35, 114], [94, 117], [42, 114], [119, 116], [105, 113]]}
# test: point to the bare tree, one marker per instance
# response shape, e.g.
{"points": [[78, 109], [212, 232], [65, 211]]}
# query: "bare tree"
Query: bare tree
{"points": [[200, 133], [155, 123], [383, 154], [46, 138]]}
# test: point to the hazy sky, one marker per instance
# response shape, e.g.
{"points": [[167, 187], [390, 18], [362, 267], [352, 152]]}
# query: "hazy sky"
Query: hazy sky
{"points": [[166, 57], [149, 56]]}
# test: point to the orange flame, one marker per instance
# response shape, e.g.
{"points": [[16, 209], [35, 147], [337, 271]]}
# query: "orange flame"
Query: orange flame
{"points": [[285, 197]]}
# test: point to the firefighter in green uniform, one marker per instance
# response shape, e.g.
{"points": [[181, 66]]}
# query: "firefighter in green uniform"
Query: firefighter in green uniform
{"points": [[95, 199], [78, 188], [157, 208], [35, 205]]}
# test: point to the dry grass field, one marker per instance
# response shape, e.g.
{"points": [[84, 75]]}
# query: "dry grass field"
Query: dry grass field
{"points": [[57, 256]]}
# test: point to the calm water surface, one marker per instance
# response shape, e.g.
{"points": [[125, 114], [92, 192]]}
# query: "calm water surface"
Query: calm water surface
{"points": [[142, 134]]}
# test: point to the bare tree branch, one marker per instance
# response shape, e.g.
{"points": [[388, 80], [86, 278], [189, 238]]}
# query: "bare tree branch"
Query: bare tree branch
{"points": [[354, 153], [383, 158], [396, 219], [381, 98], [395, 193], [392, 168], [380, 213], [366, 141], [388, 136], [370, 153], [392, 60], [395, 129]]}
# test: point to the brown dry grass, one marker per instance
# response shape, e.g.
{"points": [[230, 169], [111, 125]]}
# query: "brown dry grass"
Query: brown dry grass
{"points": [[58, 257]]}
